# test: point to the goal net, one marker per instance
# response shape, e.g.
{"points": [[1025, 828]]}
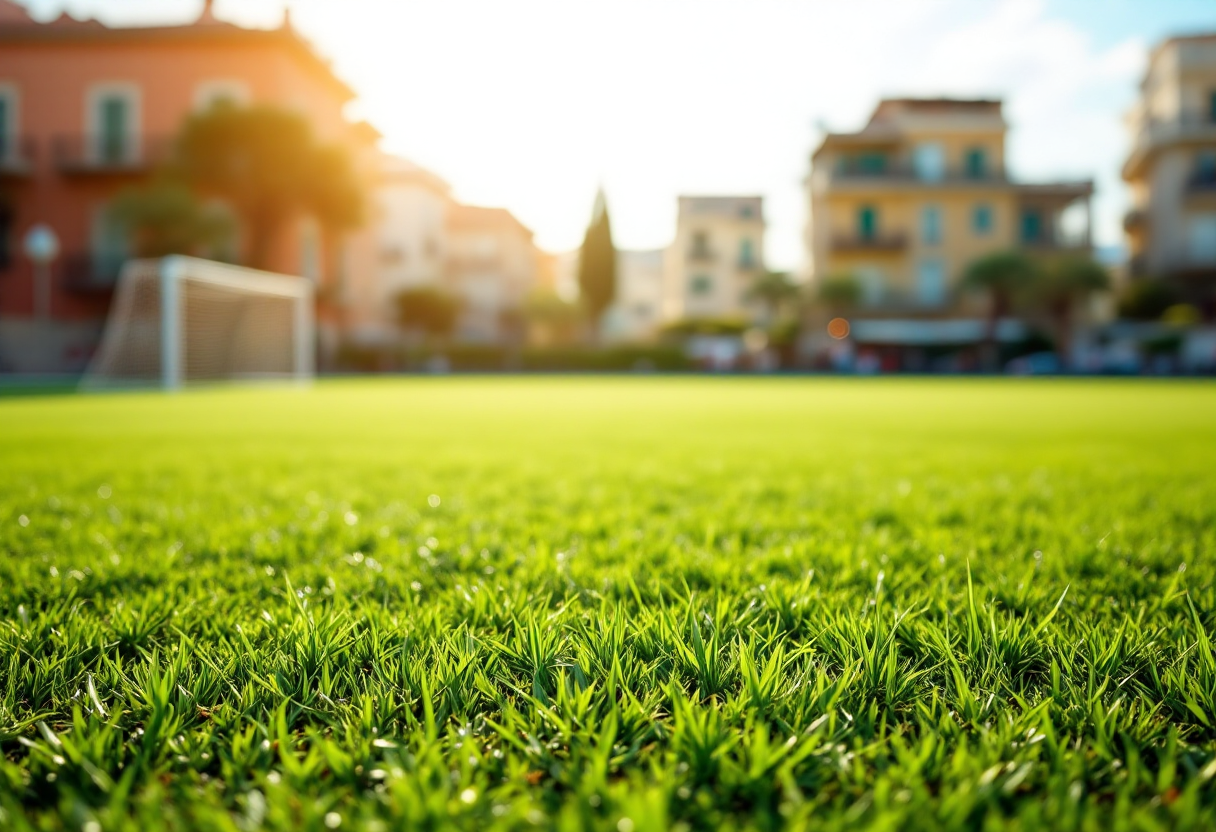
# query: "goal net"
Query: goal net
{"points": [[181, 320]]}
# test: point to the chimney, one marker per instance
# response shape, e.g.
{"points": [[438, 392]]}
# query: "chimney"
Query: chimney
{"points": [[208, 15]]}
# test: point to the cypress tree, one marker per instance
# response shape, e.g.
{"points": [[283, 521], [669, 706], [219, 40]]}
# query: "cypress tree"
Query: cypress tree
{"points": [[597, 263]]}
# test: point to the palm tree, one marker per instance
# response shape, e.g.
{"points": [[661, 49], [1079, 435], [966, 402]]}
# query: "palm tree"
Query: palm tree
{"points": [[773, 290], [1060, 288], [1002, 276]]}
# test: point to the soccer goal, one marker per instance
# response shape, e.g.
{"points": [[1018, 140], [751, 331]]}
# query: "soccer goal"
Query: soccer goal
{"points": [[180, 320]]}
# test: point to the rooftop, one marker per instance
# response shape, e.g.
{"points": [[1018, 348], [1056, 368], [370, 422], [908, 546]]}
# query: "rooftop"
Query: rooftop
{"points": [[18, 28], [478, 218], [886, 125], [401, 170]]}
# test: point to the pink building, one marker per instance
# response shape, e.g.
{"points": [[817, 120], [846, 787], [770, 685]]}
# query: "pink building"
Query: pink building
{"points": [[86, 110]]}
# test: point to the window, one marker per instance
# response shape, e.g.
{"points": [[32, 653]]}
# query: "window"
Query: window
{"points": [[9, 124], [747, 258], [111, 247], [6, 237], [700, 246], [976, 163], [701, 284], [981, 220], [931, 225], [113, 123], [931, 282], [871, 163], [1205, 168], [746, 212], [6, 127], [929, 162], [114, 118], [1212, 106], [867, 222], [1203, 239], [1032, 226], [873, 285]]}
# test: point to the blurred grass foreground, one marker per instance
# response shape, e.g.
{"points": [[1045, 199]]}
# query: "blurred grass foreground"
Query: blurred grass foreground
{"points": [[620, 604]]}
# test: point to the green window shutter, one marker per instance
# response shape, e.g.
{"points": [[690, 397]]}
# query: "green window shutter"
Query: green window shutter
{"points": [[5, 120], [867, 222], [977, 163], [1032, 226], [114, 115], [981, 219]]}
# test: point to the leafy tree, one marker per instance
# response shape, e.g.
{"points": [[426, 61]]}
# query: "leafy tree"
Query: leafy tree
{"points": [[164, 218], [1145, 299], [774, 290], [839, 293], [551, 318], [597, 263], [1003, 276], [1060, 287], [266, 164], [429, 310]]}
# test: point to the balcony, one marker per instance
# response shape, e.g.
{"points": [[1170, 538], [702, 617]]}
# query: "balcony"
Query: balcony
{"points": [[1190, 128], [874, 243], [16, 157], [905, 175], [701, 254], [109, 154]]}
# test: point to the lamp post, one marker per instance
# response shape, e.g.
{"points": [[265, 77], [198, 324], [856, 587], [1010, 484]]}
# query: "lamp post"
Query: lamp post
{"points": [[42, 247]]}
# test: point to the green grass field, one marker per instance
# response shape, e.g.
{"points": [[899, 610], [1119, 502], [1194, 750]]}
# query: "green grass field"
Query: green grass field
{"points": [[619, 604]]}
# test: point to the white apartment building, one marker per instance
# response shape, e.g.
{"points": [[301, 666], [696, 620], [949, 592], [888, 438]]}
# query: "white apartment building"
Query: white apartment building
{"points": [[485, 256], [717, 253], [1171, 227], [635, 314]]}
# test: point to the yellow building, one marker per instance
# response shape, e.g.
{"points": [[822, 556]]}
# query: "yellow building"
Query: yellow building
{"points": [[1171, 227], [920, 192], [717, 253]]}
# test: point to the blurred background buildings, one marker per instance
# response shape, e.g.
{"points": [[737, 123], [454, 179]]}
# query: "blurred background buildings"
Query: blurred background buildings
{"points": [[923, 250]]}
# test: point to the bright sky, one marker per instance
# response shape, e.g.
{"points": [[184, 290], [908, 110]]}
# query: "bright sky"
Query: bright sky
{"points": [[530, 103]]}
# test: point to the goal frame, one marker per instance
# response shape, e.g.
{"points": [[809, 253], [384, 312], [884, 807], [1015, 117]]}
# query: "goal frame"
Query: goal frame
{"points": [[174, 271]]}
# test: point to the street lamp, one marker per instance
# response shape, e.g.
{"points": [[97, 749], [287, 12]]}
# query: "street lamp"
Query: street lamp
{"points": [[42, 247]]}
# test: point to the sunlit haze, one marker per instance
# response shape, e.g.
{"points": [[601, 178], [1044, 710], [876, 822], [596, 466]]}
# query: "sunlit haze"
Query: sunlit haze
{"points": [[530, 104]]}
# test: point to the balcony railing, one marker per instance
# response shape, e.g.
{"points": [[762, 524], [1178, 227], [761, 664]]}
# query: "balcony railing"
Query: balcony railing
{"points": [[109, 154], [870, 242], [700, 254], [17, 156], [906, 173]]}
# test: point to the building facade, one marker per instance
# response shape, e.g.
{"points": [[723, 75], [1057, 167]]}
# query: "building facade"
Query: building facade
{"points": [[635, 314], [717, 254], [906, 203], [1171, 170], [87, 110], [415, 207], [492, 265]]}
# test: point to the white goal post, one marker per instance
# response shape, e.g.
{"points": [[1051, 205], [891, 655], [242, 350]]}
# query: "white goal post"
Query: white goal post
{"points": [[180, 319]]}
